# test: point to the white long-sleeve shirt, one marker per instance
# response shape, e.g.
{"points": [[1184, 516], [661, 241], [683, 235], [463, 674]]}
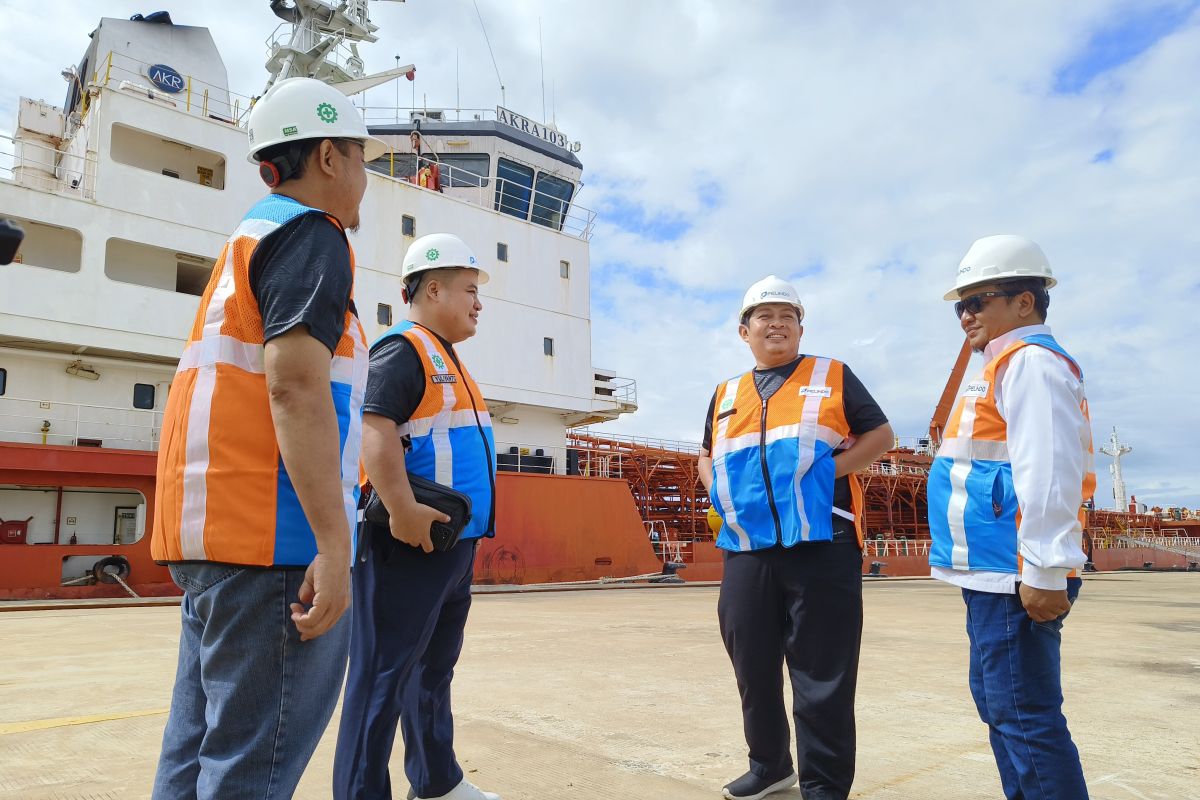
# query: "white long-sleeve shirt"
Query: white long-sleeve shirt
{"points": [[1049, 438]]}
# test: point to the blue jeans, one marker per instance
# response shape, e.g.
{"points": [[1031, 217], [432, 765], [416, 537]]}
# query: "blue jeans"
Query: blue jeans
{"points": [[1016, 680], [251, 700]]}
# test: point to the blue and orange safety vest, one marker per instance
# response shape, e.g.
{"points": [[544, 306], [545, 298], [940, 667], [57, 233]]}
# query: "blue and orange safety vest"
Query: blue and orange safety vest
{"points": [[451, 430], [773, 468], [973, 509], [223, 491]]}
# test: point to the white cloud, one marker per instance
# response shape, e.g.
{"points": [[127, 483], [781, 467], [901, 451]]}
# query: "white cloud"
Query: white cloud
{"points": [[874, 140]]}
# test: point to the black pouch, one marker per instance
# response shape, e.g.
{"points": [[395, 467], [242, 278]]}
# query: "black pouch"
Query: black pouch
{"points": [[450, 502]]}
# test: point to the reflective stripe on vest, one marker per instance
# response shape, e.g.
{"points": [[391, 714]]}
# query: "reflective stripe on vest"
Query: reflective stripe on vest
{"points": [[973, 509], [446, 426], [223, 493], [805, 423]]}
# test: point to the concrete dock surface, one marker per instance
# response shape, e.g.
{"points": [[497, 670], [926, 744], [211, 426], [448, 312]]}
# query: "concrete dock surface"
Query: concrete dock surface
{"points": [[629, 694]]}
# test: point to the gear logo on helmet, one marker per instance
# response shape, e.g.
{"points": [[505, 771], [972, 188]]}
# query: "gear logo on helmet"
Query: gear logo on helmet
{"points": [[439, 251], [327, 113], [295, 109]]}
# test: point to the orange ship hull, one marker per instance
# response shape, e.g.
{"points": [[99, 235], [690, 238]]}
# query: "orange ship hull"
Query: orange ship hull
{"points": [[550, 528]]}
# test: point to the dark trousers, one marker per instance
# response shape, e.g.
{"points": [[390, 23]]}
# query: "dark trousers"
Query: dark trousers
{"points": [[410, 609], [800, 606], [1016, 680]]}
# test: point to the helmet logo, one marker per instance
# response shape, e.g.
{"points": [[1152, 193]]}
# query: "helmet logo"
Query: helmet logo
{"points": [[963, 270], [327, 113], [290, 130], [432, 254], [772, 294], [471, 259]]}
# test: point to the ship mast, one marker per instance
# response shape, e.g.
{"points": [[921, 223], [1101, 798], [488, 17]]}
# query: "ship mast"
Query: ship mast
{"points": [[322, 43], [1115, 450]]}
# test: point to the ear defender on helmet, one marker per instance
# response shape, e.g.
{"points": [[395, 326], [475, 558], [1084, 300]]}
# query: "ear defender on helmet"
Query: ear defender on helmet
{"points": [[279, 168], [269, 174]]}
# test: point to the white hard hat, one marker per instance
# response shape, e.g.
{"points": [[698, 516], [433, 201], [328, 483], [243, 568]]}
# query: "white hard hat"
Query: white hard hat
{"points": [[997, 258], [305, 108], [439, 251], [771, 290]]}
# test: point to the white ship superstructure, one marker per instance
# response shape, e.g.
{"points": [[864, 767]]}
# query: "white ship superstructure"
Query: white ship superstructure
{"points": [[128, 192]]}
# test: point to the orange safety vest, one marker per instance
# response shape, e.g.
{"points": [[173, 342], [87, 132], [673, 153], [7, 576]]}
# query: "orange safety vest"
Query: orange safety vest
{"points": [[773, 469], [450, 431], [223, 492]]}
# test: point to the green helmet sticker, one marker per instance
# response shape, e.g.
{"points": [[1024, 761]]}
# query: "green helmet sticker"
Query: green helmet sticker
{"points": [[432, 254], [327, 113], [291, 130]]}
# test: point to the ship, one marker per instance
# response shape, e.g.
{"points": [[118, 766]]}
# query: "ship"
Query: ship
{"points": [[126, 193]]}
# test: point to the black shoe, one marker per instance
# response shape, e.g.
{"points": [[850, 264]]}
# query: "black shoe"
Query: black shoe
{"points": [[752, 787]]}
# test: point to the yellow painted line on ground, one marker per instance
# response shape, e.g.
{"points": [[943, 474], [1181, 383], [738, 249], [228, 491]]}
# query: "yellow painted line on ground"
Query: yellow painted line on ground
{"points": [[63, 722]]}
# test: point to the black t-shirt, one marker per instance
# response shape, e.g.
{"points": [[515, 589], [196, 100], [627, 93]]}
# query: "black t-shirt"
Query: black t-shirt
{"points": [[862, 413], [300, 275], [396, 378]]}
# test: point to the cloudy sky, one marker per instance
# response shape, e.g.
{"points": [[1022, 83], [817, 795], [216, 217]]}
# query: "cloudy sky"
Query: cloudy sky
{"points": [[855, 148]]}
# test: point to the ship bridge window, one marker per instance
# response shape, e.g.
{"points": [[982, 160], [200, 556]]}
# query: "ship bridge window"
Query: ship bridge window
{"points": [[157, 267], [551, 197], [167, 157], [395, 165], [465, 169], [3, 380], [514, 187], [49, 246]]}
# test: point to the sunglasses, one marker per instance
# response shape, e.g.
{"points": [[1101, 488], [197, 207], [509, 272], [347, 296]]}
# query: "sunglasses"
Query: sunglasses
{"points": [[975, 303]]}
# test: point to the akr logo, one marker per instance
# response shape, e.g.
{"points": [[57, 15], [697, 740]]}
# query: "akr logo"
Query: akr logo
{"points": [[166, 78]]}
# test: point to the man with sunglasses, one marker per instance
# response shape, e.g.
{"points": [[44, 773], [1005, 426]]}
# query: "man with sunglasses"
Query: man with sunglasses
{"points": [[1005, 496]]}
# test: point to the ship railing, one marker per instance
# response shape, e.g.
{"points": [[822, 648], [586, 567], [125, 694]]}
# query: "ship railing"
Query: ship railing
{"points": [[37, 165], [32, 421], [667, 548], [397, 114], [922, 445], [566, 459], [197, 98], [895, 548], [1132, 539], [888, 468], [622, 390], [673, 445]]}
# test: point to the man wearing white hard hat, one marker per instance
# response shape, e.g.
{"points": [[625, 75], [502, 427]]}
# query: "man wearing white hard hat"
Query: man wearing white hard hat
{"points": [[782, 442], [1005, 512], [257, 464], [425, 418]]}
